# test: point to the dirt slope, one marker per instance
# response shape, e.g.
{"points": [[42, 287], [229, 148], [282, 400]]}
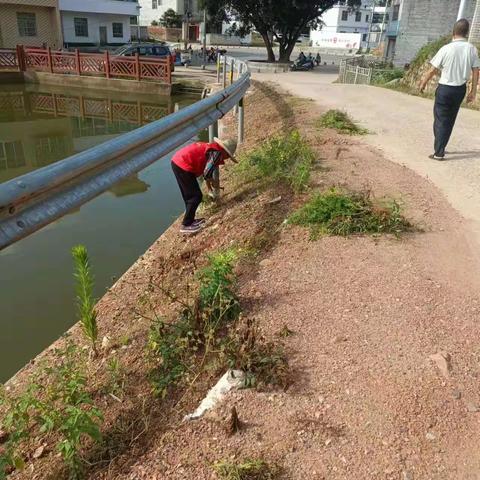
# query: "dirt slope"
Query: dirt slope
{"points": [[367, 402]]}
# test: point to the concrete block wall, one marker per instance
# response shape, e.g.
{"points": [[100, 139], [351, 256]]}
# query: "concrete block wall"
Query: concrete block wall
{"points": [[423, 21]]}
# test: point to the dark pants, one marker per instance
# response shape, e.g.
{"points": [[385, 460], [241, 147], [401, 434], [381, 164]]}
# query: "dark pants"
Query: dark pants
{"points": [[447, 104], [191, 193]]}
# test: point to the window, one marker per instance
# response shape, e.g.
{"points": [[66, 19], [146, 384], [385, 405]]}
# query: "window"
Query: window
{"points": [[154, 4], [364, 37], [133, 21], [117, 29], [396, 13], [81, 27], [358, 16], [367, 18], [27, 24], [345, 15], [11, 155]]}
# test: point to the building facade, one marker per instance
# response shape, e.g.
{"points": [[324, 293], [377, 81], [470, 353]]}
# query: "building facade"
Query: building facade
{"points": [[360, 26], [97, 22], [33, 23], [153, 10], [415, 23]]}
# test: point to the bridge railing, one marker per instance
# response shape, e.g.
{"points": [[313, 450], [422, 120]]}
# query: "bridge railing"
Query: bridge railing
{"points": [[86, 64], [36, 199]]}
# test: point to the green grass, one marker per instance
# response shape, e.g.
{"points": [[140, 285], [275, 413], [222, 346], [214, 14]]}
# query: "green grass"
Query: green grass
{"points": [[381, 77], [285, 159], [247, 470], [341, 122], [340, 213]]}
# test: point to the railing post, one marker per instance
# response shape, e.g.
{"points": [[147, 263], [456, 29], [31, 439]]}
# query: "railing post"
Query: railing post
{"points": [[224, 71], [137, 66], [356, 74], [21, 58], [107, 64], [169, 71], [241, 121], [78, 65], [232, 69], [49, 58], [218, 68]]}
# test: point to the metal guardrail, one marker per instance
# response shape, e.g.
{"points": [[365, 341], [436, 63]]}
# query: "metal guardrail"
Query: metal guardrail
{"points": [[36, 199]]}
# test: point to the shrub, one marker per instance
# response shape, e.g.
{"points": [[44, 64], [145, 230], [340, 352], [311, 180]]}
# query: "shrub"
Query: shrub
{"points": [[218, 302], [246, 470], [85, 300], [341, 122], [380, 77], [283, 159], [338, 213]]}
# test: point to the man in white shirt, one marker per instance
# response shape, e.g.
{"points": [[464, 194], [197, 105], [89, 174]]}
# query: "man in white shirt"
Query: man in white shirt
{"points": [[456, 62]]}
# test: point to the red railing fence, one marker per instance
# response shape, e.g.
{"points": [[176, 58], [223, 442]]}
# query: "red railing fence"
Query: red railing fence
{"points": [[86, 64]]}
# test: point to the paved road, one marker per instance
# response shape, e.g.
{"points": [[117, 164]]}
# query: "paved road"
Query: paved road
{"points": [[402, 126]]}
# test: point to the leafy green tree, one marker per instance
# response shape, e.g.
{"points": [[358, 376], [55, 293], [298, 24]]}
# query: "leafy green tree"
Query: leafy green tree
{"points": [[275, 20], [170, 19]]}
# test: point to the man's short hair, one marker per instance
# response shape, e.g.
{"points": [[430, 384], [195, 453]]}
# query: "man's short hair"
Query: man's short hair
{"points": [[461, 28]]}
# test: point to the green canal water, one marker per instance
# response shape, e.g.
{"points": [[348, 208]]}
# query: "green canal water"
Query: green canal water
{"points": [[42, 125]]}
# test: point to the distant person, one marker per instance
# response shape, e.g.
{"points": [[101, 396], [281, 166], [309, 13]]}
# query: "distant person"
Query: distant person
{"points": [[194, 161], [302, 58], [318, 59], [456, 62]]}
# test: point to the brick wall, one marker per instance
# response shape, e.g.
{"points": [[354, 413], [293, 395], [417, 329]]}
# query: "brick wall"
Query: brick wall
{"points": [[424, 21], [165, 34], [47, 22]]}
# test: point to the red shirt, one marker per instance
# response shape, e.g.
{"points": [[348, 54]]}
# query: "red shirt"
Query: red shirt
{"points": [[193, 158]]}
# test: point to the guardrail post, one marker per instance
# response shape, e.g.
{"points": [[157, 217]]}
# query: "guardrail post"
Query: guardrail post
{"points": [[176, 107], [241, 121], [218, 68], [78, 65], [137, 67], [212, 133], [49, 59], [224, 71], [169, 71], [107, 64], [232, 69]]}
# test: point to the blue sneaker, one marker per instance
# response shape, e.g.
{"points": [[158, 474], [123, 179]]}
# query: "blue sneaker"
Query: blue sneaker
{"points": [[191, 229]]}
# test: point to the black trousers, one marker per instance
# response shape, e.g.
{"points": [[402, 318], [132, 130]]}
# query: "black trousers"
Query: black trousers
{"points": [[191, 193], [447, 104]]}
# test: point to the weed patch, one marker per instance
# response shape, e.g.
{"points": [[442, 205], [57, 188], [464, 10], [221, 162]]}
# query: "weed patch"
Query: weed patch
{"points": [[283, 159], [246, 470], [341, 122], [338, 213]]}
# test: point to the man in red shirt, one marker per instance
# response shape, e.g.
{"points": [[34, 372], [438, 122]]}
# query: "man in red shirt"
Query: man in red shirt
{"points": [[194, 161]]}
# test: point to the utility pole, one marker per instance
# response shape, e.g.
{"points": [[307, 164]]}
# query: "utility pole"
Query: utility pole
{"points": [[461, 9], [204, 37]]}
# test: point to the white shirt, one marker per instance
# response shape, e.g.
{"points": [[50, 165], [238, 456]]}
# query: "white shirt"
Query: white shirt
{"points": [[456, 61]]}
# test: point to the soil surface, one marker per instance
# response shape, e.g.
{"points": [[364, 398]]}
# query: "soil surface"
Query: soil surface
{"points": [[383, 354]]}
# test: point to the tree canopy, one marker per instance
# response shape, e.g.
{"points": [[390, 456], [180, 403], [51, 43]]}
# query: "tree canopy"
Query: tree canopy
{"points": [[275, 20], [170, 19]]}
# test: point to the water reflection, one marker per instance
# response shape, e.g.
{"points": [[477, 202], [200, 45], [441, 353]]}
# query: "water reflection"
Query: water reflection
{"points": [[39, 126]]}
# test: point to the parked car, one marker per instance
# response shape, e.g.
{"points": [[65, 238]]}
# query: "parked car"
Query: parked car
{"points": [[159, 50]]}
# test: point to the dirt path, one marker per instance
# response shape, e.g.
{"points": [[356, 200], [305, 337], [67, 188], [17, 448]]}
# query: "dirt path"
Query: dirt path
{"points": [[402, 126], [368, 401]]}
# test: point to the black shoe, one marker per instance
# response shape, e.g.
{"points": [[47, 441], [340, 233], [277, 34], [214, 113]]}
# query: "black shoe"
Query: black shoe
{"points": [[436, 157]]}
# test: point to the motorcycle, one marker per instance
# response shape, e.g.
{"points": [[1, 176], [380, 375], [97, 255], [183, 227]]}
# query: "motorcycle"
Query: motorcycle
{"points": [[304, 66]]}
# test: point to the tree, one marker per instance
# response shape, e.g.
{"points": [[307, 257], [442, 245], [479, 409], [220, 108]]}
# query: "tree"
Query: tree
{"points": [[275, 20], [170, 19]]}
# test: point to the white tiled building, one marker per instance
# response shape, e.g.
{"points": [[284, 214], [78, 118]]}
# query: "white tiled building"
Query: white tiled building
{"points": [[152, 10], [97, 22], [353, 25]]}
